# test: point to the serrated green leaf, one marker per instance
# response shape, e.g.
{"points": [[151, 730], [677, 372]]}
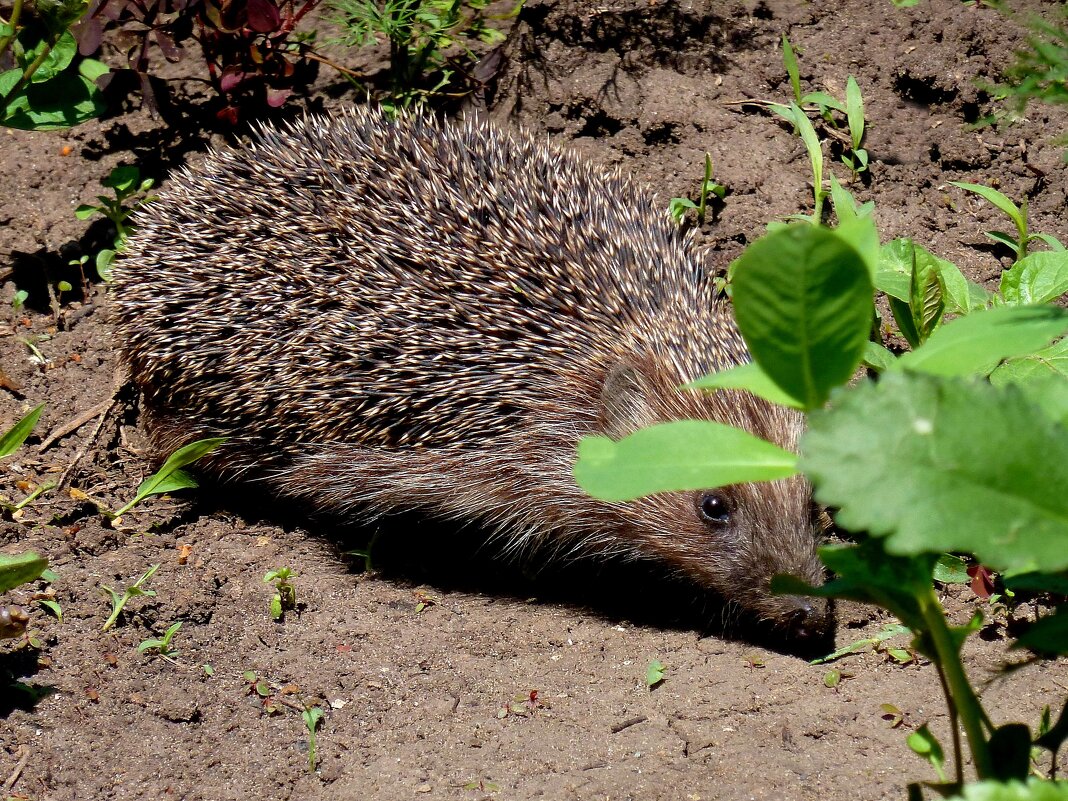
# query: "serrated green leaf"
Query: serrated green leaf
{"points": [[749, 377], [975, 344], [1036, 278], [681, 455], [901, 459], [803, 301], [13, 438], [19, 569], [926, 299]]}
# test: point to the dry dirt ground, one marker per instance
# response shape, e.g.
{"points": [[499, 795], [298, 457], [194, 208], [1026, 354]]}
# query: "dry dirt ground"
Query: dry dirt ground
{"points": [[420, 698]]}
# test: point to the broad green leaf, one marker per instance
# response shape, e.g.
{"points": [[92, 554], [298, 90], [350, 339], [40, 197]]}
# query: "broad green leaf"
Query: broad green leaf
{"points": [[877, 357], [165, 480], [1048, 635], [842, 201], [654, 674], [926, 299], [894, 274], [803, 301], [925, 744], [13, 438], [65, 101], [1036, 278], [85, 211], [91, 69], [905, 459], [1038, 582], [18, 569], [950, 569], [854, 111], [749, 377], [1051, 362], [57, 60], [1034, 790], [974, 345], [997, 198], [683, 455], [860, 232]]}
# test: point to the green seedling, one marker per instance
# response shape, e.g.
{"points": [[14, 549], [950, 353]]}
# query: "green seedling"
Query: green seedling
{"points": [[171, 477], [1017, 214], [428, 43], [898, 458], [796, 115], [313, 718], [1040, 69], [12, 439], [887, 632], [162, 646], [654, 674], [18, 301], [53, 607], [678, 206], [285, 596], [131, 192], [118, 602], [857, 159]]}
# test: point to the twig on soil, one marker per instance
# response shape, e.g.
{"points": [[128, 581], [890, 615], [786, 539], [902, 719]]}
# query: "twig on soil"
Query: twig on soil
{"points": [[24, 758], [73, 425], [103, 410]]}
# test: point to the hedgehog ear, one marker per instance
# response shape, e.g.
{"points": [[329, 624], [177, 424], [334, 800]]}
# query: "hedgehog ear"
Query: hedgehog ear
{"points": [[625, 403]]}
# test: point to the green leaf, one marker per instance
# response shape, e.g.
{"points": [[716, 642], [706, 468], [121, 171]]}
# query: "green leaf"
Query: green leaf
{"points": [[681, 455], [749, 377], [974, 345], [85, 211], [790, 62], [877, 357], [91, 69], [823, 100], [1036, 278], [1034, 790], [67, 100], [276, 607], [19, 569], [53, 607], [865, 572], [122, 178], [1057, 734], [1048, 635], [57, 60], [165, 480], [13, 438], [926, 303], [854, 111], [803, 301], [654, 674], [902, 459], [1037, 581], [926, 745], [1051, 241], [997, 198], [950, 569], [1046, 364], [894, 275]]}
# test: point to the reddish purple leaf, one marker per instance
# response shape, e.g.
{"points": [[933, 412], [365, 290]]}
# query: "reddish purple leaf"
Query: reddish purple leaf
{"points": [[276, 97], [982, 581], [231, 79], [228, 114], [263, 16], [167, 46]]}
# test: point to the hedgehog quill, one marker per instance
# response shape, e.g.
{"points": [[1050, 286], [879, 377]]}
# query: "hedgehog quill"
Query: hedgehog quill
{"points": [[402, 314]]}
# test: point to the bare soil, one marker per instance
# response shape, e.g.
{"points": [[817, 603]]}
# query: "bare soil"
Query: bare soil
{"points": [[419, 666]]}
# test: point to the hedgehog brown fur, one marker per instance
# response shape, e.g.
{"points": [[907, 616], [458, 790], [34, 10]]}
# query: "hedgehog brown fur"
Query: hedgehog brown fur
{"points": [[387, 314]]}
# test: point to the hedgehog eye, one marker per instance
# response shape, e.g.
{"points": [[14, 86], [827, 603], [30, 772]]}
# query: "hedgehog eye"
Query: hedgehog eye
{"points": [[714, 508]]}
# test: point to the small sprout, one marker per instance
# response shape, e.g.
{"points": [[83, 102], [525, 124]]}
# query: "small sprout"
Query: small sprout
{"points": [[53, 607], [678, 206], [208, 669], [892, 714], [285, 596], [654, 674], [162, 646], [19, 300], [171, 477], [313, 717], [483, 786], [118, 602], [832, 678], [424, 601], [754, 662], [13, 438], [127, 184]]}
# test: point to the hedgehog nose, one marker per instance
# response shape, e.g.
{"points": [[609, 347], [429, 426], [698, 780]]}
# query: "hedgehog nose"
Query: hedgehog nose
{"points": [[810, 619]]}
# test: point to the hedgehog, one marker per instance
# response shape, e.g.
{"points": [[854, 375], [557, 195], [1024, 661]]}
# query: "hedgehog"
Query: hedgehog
{"points": [[386, 314]]}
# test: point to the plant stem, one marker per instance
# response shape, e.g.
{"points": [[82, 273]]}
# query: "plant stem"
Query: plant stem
{"points": [[958, 757], [959, 692], [5, 101], [16, 12]]}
